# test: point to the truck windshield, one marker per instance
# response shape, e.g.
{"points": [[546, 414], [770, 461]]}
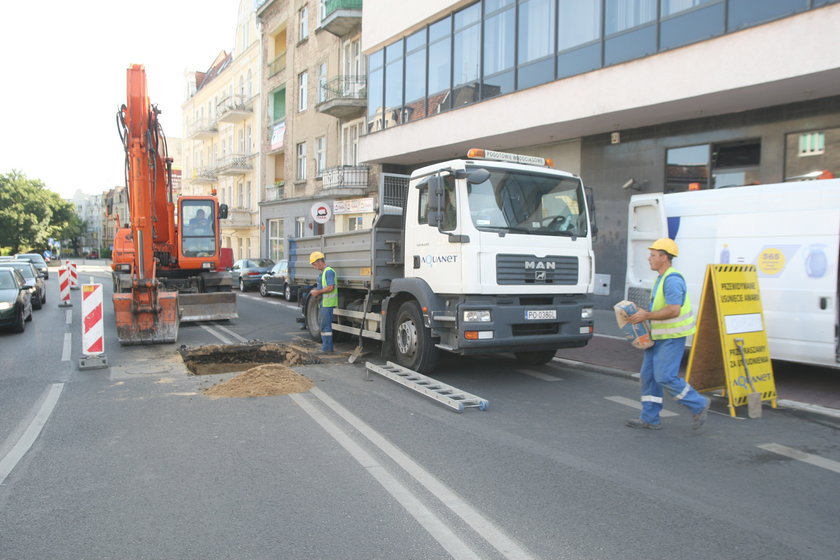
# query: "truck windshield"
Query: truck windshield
{"points": [[530, 203]]}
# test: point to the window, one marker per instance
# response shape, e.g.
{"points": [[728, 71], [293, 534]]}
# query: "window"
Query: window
{"points": [[415, 77], [303, 23], [536, 43], [303, 89], [736, 164], [320, 155], [466, 55], [240, 196], [687, 168], [393, 83], [278, 98], [440, 66], [622, 15], [322, 82], [350, 143], [376, 82], [301, 162], [354, 223], [810, 155], [300, 226], [632, 24], [499, 48], [811, 144]]}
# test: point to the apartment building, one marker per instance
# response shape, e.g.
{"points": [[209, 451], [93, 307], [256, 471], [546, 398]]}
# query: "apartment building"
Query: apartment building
{"points": [[222, 123], [315, 99], [633, 95]]}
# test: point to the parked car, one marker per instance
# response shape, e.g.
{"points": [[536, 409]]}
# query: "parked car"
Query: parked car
{"points": [[38, 261], [276, 282], [34, 282], [246, 273], [15, 300]]}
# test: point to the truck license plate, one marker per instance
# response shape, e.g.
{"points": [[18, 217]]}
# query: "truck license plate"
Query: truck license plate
{"points": [[532, 314]]}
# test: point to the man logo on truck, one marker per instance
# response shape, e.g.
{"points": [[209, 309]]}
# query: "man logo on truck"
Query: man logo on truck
{"points": [[540, 265]]}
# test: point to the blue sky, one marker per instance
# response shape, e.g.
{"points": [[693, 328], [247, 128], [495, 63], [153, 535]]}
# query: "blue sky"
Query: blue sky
{"points": [[64, 79]]}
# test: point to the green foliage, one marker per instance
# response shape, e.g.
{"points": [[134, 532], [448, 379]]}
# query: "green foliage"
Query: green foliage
{"points": [[30, 214]]}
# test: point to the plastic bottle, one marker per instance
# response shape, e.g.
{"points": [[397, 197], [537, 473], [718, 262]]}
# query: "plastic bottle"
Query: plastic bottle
{"points": [[724, 254]]}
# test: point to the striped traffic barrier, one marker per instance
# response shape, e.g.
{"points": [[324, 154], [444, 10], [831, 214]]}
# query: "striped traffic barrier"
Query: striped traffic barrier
{"points": [[64, 287], [93, 333], [74, 275]]}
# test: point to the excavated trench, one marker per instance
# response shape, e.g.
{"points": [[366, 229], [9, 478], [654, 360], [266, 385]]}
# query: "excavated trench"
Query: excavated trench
{"points": [[266, 368]]}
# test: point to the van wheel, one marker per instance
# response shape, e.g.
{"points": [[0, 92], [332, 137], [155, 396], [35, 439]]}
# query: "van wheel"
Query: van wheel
{"points": [[535, 358], [413, 342]]}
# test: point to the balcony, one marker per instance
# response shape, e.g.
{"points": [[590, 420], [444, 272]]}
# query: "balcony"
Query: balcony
{"points": [[345, 97], [202, 129], [275, 192], [346, 180], [342, 16], [203, 176], [277, 65], [240, 218], [235, 108], [234, 164]]}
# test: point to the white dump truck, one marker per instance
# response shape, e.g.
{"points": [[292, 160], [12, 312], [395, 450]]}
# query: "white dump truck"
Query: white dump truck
{"points": [[491, 253], [789, 231]]}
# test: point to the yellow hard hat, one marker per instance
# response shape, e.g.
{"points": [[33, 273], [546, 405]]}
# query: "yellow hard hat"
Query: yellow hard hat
{"points": [[314, 256], [667, 245]]}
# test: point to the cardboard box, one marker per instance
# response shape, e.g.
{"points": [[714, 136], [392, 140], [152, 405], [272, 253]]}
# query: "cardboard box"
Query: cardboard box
{"points": [[638, 335]]}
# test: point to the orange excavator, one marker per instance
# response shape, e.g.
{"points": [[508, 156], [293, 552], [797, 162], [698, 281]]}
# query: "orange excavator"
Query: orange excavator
{"points": [[166, 260]]}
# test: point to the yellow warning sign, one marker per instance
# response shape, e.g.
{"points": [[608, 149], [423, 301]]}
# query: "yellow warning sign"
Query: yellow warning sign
{"points": [[730, 347]]}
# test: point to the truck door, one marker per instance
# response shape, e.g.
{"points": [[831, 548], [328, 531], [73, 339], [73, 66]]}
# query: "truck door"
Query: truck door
{"points": [[646, 222]]}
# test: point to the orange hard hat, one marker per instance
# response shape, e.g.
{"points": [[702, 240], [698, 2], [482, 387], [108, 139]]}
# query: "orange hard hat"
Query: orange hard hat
{"points": [[667, 245]]}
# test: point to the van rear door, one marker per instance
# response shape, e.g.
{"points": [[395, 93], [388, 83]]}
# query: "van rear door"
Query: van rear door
{"points": [[646, 222]]}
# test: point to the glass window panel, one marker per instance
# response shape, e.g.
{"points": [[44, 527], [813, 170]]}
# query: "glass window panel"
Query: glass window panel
{"points": [[415, 41], [687, 168], [440, 68], [630, 45], [499, 42], [415, 86], [627, 14], [393, 84], [691, 27], [578, 61], [536, 73], [536, 29], [375, 99], [491, 6], [497, 85], [744, 13], [577, 23], [466, 56], [440, 29], [671, 7], [468, 16]]}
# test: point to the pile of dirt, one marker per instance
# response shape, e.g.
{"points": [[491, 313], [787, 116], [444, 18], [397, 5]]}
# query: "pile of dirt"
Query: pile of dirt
{"points": [[266, 380]]}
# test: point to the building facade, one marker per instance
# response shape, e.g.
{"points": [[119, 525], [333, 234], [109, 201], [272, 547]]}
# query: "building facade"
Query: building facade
{"points": [[314, 102], [222, 123], [633, 95]]}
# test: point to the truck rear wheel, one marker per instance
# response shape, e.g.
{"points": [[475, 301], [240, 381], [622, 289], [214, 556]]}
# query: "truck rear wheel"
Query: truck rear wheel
{"points": [[413, 342], [313, 320], [535, 358]]}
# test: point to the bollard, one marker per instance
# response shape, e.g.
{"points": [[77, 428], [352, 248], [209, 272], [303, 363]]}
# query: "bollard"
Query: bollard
{"points": [[93, 336], [74, 275], [64, 287]]}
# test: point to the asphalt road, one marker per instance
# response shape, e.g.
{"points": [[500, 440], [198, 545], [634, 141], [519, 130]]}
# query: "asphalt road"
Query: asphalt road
{"points": [[133, 461]]}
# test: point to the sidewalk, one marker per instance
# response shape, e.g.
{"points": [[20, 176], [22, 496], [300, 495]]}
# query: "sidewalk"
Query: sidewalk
{"points": [[805, 386]]}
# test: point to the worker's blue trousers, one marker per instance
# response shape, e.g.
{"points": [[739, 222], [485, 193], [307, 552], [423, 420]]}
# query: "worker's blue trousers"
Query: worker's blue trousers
{"points": [[661, 368], [326, 318]]}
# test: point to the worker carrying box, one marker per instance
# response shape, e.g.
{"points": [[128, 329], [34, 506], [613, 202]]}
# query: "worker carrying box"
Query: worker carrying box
{"points": [[638, 335]]}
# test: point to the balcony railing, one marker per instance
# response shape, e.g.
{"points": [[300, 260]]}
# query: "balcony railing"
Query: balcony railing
{"points": [[346, 178], [235, 108], [342, 16], [234, 164], [344, 97], [240, 217], [202, 129], [275, 192], [203, 175], [277, 65]]}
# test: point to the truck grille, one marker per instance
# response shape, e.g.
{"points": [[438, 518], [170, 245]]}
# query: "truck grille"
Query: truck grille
{"points": [[527, 269]]}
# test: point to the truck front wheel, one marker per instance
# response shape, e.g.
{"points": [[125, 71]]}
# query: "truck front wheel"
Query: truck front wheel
{"points": [[413, 343], [535, 358]]}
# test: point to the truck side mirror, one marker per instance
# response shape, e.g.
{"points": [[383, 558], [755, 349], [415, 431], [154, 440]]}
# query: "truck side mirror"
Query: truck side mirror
{"points": [[223, 211], [434, 202]]}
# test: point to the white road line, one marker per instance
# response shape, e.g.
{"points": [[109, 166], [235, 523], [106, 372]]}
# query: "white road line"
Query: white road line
{"points": [[216, 334], [68, 317], [539, 375], [435, 526], [231, 333], [636, 404], [480, 524], [792, 453], [8, 463], [67, 348]]}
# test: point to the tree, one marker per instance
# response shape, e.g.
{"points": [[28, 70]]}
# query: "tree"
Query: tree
{"points": [[30, 214]]}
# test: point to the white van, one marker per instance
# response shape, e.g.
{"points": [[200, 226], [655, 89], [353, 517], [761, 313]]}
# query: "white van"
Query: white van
{"points": [[790, 231]]}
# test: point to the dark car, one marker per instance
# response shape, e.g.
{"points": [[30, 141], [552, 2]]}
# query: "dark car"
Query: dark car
{"points": [[246, 273], [276, 282], [33, 280], [15, 300], [38, 261]]}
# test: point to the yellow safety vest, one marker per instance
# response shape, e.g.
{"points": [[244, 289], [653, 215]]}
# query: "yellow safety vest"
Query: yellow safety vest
{"points": [[676, 327], [329, 299]]}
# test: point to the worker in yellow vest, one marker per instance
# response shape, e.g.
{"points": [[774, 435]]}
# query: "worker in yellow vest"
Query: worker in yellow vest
{"points": [[671, 321], [327, 289]]}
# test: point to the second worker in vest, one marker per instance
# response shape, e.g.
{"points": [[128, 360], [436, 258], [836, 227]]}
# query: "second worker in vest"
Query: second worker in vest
{"points": [[327, 289], [671, 321]]}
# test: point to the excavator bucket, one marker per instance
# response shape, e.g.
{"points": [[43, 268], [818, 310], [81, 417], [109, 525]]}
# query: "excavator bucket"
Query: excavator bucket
{"points": [[146, 322], [212, 306]]}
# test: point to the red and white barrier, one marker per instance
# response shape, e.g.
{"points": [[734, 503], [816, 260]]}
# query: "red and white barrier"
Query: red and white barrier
{"points": [[74, 275], [93, 332], [64, 287]]}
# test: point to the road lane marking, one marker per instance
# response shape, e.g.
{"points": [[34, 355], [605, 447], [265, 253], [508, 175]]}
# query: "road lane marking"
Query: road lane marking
{"points": [[480, 524], [216, 334], [636, 404], [539, 375], [67, 348], [68, 317], [792, 453], [8, 463], [231, 333], [433, 524]]}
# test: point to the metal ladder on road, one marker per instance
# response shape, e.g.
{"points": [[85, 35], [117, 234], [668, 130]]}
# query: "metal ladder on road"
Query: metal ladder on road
{"points": [[446, 394]]}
